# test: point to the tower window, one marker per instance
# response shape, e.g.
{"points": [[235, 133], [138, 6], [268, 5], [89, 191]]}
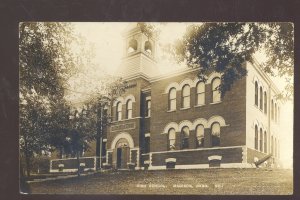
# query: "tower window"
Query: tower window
{"points": [[148, 47], [215, 90], [172, 99], [132, 46], [185, 132], [186, 92], [200, 93]]}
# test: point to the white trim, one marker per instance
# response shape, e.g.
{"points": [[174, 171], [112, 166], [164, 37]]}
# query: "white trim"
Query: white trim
{"points": [[82, 164], [215, 157], [185, 123], [69, 170], [157, 167], [147, 134], [148, 98], [147, 162], [217, 102], [186, 81], [216, 118], [212, 76], [199, 149], [171, 85], [171, 110], [104, 140], [195, 166], [123, 120], [119, 99], [150, 158], [71, 158], [197, 80], [124, 135], [170, 160], [203, 166], [198, 122], [170, 125], [185, 108], [199, 105], [130, 96]]}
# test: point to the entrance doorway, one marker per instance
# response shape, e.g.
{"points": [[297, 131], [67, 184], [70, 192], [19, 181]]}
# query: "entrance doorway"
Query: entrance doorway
{"points": [[122, 157], [122, 154]]}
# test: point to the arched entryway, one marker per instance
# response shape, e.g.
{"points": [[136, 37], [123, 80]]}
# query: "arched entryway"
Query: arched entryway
{"points": [[121, 146]]}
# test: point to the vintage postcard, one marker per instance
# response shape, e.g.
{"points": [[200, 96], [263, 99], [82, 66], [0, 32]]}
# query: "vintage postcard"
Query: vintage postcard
{"points": [[203, 108]]}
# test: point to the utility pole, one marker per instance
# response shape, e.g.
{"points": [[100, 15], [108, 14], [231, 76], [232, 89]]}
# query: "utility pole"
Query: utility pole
{"points": [[101, 134]]}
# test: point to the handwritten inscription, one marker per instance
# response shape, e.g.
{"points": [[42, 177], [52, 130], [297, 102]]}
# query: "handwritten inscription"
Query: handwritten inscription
{"points": [[151, 185]]}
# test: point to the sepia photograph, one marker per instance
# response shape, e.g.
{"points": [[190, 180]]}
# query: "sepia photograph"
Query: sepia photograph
{"points": [[156, 108]]}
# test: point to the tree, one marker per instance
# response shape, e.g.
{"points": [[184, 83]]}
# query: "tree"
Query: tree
{"points": [[46, 61], [32, 127], [225, 47]]}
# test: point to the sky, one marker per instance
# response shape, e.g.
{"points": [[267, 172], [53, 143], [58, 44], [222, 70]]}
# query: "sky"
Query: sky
{"points": [[107, 41]]}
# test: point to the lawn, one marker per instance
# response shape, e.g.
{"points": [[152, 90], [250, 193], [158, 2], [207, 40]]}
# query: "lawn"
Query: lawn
{"points": [[197, 182]]}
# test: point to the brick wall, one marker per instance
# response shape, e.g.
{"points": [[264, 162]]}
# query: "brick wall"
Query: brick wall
{"points": [[200, 156], [232, 109]]}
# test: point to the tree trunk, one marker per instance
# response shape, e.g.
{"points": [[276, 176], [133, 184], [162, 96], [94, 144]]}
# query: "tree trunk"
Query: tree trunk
{"points": [[28, 166], [27, 159]]}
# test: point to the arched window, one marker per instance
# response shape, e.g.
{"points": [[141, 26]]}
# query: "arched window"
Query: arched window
{"points": [[215, 133], [260, 98], [186, 94], [172, 99], [256, 93], [129, 109], [256, 138], [132, 46], [148, 47], [185, 132], [148, 108], [272, 110], [275, 112], [200, 93], [119, 111], [215, 89], [200, 135], [265, 142], [172, 139], [265, 102], [260, 139]]}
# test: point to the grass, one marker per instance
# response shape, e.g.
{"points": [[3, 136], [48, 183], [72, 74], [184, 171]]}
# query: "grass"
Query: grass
{"points": [[196, 182]]}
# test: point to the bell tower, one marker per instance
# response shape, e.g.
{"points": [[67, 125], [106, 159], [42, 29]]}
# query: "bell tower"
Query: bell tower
{"points": [[139, 53]]}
